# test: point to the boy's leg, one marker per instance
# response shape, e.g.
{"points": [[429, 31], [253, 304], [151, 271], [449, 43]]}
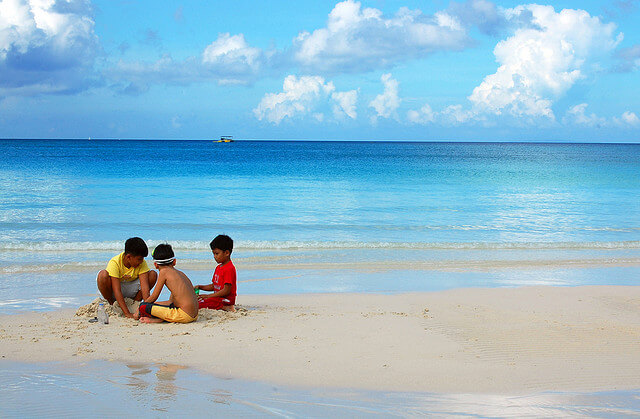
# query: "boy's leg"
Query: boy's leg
{"points": [[156, 313], [151, 320], [215, 303], [145, 312], [104, 286]]}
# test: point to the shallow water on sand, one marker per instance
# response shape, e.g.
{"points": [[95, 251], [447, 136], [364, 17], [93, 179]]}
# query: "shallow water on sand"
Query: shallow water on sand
{"points": [[50, 291], [100, 388]]}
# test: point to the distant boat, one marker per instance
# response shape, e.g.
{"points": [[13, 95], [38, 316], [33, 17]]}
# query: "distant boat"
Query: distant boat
{"points": [[224, 139]]}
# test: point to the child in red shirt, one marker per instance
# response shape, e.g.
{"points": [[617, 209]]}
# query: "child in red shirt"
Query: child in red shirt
{"points": [[224, 278]]}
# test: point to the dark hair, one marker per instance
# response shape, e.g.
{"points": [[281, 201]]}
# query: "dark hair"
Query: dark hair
{"points": [[222, 242], [163, 251], [136, 246]]}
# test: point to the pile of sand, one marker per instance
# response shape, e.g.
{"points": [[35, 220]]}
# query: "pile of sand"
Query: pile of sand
{"points": [[91, 310], [204, 314]]}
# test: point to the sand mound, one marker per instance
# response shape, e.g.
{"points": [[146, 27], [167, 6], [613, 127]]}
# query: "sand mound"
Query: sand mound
{"points": [[204, 314], [91, 310]]}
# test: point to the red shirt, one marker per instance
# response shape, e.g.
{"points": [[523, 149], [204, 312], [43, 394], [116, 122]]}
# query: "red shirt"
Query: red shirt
{"points": [[225, 274]]}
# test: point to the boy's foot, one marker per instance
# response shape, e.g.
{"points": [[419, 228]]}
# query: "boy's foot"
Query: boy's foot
{"points": [[150, 320], [229, 308]]}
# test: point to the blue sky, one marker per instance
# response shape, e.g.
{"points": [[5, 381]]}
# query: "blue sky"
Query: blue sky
{"points": [[368, 70]]}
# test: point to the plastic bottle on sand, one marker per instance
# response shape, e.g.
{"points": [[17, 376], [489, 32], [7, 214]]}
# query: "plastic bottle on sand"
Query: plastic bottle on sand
{"points": [[103, 317]]}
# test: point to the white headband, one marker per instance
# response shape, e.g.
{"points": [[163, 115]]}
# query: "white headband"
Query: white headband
{"points": [[164, 261]]}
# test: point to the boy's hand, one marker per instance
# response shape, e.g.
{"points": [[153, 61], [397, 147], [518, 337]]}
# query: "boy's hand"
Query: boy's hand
{"points": [[129, 315], [136, 316]]}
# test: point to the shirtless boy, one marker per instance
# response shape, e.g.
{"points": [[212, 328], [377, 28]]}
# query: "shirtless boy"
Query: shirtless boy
{"points": [[182, 306]]}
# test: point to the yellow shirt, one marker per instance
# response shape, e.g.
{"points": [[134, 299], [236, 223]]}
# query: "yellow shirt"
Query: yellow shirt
{"points": [[116, 269]]}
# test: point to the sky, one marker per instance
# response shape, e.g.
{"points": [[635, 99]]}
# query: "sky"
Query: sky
{"points": [[472, 70]]}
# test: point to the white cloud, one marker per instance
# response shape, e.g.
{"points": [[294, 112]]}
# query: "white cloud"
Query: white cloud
{"points": [[386, 103], [451, 115], [456, 115], [628, 119], [299, 96], [227, 60], [542, 61], [577, 116], [231, 55], [46, 46], [307, 95], [357, 39], [631, 118], [423, 116], [345, 103]]}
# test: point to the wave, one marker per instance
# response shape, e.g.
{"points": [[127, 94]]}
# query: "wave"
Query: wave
{"points": [[250, 245], [296, 265]]}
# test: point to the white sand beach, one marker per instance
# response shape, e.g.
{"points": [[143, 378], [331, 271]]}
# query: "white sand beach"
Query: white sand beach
{"points": [[498, 340]]}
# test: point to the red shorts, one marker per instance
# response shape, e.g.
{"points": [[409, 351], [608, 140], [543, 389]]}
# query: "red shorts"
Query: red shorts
{"points": [[214, 303]]}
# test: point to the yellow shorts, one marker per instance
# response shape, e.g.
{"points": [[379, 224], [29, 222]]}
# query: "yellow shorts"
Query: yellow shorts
{"points": [[168, 313]]}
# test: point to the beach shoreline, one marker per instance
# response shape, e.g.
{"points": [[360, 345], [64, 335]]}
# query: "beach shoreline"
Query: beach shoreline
{"points": [[470, 340]]}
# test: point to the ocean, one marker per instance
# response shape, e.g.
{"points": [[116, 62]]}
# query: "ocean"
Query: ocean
{"points": [[307, 217], [319, 216]]}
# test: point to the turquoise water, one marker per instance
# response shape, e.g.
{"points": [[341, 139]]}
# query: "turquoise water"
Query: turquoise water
{"points": [[320, 216], [73, 195]]}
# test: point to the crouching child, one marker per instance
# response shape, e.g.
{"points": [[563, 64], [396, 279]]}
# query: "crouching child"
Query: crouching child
{"points": [[182, 306]]}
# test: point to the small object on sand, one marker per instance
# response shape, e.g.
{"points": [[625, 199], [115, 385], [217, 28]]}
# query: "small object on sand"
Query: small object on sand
{"points": [[102, 314], [94, 320]]}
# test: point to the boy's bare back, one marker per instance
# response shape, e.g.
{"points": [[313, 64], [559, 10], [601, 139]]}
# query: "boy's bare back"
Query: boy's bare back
{"points": [[182, 294]]}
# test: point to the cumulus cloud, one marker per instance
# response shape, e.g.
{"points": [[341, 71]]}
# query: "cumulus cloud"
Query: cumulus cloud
{"points": [[358, 39], [345, 103], [577, 116], [627, 120], [303, 96], [386, 103], [542, 61], [450, 115], [423, 116], [232, 58], [298, 97], [227, 60], [46, 46]]}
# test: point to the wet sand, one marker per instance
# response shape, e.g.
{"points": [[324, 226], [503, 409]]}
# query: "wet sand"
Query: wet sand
{"points": [[498, 340]]}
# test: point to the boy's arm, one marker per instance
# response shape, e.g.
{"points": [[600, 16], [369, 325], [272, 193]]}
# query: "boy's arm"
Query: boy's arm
{"points": [[208, 287], [144, 284], [117, 292], [157, 289], [226, 290]]}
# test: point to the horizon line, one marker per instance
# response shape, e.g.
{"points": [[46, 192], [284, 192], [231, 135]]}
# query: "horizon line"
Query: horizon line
{"points": [[332, 140]]}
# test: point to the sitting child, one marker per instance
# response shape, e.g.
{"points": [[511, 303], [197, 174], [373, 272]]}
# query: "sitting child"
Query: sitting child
{"points": [[127, 275], [224, 278], [182, 306]]}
